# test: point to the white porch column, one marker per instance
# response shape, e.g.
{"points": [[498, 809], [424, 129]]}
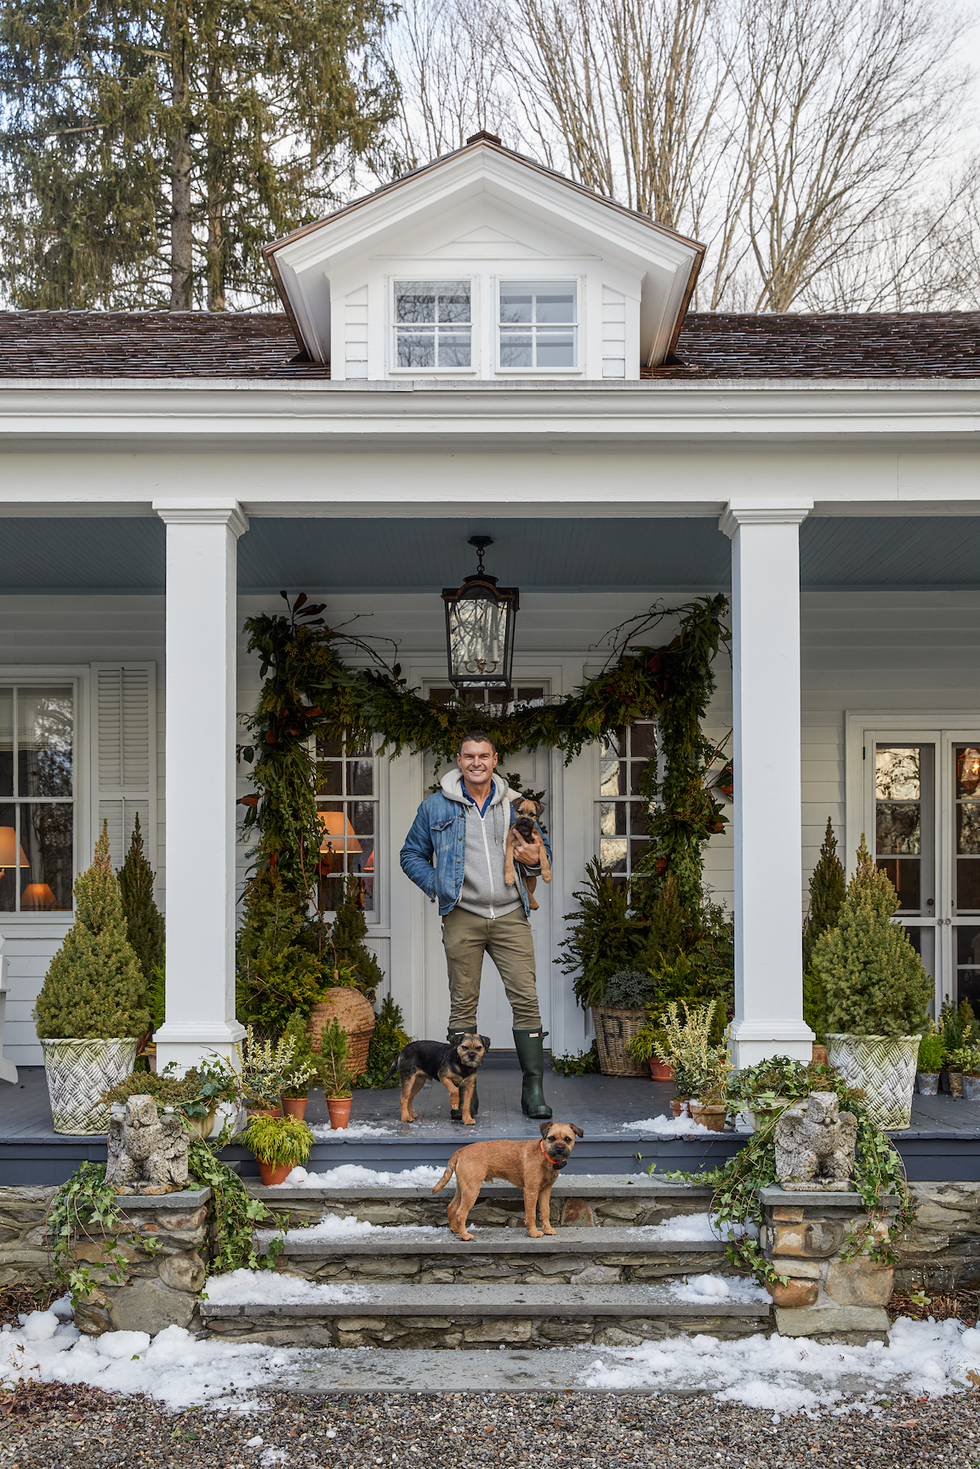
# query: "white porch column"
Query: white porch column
{"points": [[202, 551], [766, 736]]}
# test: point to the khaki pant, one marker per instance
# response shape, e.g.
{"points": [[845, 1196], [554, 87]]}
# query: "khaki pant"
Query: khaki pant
{"points": [[466, 938]]}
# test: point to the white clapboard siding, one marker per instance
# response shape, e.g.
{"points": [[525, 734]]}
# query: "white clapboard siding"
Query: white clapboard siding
{"points": [[356, 332], [124, 753], [613, 333]]}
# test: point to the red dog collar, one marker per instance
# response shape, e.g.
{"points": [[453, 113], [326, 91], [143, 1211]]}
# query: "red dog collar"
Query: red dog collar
{"points": [[559, 1164]]}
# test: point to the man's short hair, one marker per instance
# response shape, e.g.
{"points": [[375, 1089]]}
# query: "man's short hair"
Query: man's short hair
{"points": [[477, 737]]}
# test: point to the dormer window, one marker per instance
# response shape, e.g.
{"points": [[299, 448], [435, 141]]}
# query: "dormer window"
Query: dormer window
{"points": [[433, 324], [538, 324]]}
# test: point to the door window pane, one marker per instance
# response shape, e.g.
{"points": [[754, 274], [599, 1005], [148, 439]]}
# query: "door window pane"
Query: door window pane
{"points": [[622, 811], [347, 801], [904, 822], [36, 779]]}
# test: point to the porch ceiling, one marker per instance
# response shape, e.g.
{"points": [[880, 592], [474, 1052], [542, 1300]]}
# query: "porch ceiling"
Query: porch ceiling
{"points": [[127, 555]]}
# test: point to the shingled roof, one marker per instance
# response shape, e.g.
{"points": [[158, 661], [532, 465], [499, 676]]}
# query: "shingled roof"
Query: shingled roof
{"points": [[261, 345]]}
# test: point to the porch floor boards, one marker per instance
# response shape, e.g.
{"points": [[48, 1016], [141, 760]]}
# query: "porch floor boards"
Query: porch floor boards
{"points": [[942, 1143]]}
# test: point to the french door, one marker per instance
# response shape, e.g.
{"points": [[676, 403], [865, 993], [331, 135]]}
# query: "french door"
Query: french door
{"points": [[922, 822]]}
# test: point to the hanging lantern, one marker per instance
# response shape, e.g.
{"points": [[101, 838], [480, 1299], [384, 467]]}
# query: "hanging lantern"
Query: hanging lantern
{"points": [[480, 628]]}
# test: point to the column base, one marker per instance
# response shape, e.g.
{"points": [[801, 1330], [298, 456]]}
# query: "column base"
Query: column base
{"points": [[756, 1040], [188, 1044]]}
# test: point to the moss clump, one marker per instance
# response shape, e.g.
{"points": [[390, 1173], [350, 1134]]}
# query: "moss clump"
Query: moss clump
{"points": [[94, 985], [874, 980]]}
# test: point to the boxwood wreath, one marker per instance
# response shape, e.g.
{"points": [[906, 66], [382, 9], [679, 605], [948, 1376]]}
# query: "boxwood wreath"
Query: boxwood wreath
{"points": [[310, 690]]}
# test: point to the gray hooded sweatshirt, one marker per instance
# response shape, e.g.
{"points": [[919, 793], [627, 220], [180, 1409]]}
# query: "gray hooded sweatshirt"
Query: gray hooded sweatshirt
{"points": [[484, 891]]}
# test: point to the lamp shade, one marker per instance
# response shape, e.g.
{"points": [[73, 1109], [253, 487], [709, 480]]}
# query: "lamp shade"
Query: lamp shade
{"points": [[12, 854], [339, 835], [37, 896], [480, 632]]}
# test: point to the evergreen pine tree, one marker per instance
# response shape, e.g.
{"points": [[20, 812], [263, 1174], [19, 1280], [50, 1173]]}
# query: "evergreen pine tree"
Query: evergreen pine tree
{"points": [[827, 888], [144, 921], [874, 981], [93, 986]]}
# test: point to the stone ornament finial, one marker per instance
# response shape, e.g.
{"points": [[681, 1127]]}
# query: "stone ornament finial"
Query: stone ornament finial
{"points": [[815, 1145], [147, 1154]]}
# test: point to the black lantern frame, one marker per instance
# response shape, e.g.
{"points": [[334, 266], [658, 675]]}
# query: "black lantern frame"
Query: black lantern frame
{"points": [[480, 619]]}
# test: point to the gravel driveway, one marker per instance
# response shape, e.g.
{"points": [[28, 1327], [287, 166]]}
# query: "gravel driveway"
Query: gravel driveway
{"points": [[58, 1427]]}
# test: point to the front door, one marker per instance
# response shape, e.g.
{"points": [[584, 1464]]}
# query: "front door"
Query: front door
{"points": [[926, 798]]}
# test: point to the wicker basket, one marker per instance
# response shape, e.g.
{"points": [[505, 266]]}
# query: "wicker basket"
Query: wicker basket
{"points": [[613, 1028], [354, 1013]]}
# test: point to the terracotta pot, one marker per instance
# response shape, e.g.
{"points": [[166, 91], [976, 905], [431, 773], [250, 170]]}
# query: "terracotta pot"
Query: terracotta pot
{"points": [[660, 1071], [680, 1106], [251, 1112], [294, 1107], [711, 1114], [354, 1013], [274, 1172], [819, 1055], [339, 1109]]}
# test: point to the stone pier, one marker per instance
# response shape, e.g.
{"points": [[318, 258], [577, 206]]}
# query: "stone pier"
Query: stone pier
{"points": [[805, 1239]]}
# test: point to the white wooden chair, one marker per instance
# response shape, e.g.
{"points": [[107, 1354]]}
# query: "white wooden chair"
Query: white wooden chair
{"points": [[8, 1071]]}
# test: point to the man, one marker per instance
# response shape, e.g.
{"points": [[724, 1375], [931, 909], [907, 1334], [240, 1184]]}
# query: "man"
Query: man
{"points": [[464, 827]]}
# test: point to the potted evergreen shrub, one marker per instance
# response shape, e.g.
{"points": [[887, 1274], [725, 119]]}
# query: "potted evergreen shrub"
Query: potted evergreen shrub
{"points": [[701, 1067], [267, 1072], [966, 1062], [279, 1144], [828, 886], [335, 1075], [877, 991], [296, 1094], [88, 1014], [620, 1018], [145, 931], [929, 1065]]}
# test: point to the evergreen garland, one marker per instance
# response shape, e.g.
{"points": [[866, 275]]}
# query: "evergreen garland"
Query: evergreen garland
{"points": [[94, 984], [308, 689]]}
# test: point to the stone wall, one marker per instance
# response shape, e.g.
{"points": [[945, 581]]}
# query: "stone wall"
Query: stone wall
{"points": [[24, 1256], [942, 1249]]}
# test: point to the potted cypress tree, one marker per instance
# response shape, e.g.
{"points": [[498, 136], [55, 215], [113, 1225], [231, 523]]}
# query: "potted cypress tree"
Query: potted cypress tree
{"points": [[89, 1015], [877, 991], [145, 930], [828, 886]]}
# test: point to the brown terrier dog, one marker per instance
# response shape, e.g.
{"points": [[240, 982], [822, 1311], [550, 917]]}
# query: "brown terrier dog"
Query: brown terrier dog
{"points": [[532, 1166], [525, 828], [454, 1065]]}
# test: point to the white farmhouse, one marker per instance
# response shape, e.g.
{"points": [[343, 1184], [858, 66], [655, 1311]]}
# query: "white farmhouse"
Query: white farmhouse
{"points": [[483, 348]]}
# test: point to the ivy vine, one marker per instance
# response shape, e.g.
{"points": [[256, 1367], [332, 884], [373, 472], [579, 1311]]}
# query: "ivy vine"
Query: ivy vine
{"points": [[310, 690]]}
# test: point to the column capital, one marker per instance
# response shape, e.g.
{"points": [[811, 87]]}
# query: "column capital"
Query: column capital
{"points": [[202, 511], [761, 512]]}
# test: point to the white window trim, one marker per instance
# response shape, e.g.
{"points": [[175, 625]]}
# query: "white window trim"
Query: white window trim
{"points": [[79, 676], [392, 333], [379, 920], [543, 372]]}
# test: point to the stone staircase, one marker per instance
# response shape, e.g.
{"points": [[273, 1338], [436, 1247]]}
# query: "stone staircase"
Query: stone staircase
{"points": [[596, 1281]]}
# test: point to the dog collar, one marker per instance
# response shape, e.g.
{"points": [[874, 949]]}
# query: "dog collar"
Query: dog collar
{"points": [[551, 1160]]}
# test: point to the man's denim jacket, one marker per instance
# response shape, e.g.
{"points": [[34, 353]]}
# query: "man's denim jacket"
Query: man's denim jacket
{"points": [[439, 830]]}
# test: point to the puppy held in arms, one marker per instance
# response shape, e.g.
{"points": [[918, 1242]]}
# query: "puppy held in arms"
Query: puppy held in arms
{"points": [[532, 1166], [525, 829], [454, 1065]]}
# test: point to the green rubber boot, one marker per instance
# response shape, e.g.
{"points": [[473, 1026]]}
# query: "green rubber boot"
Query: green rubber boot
{"points": [[530, 1053], [456, 1113]]}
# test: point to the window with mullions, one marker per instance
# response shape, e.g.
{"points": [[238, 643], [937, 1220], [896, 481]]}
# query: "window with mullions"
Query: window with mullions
{"points": [[36, 798], [433, 324], [538, 324], [622, 811], [495, 699], [347, 800]]}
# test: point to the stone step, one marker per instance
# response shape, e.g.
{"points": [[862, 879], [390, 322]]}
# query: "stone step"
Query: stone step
{"points": [[400, 1317]]}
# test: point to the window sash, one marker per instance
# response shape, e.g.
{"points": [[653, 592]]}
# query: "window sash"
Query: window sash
{"points": [[38, 787], [537, 325], [621, 811], [433, 324], [348, 798]]}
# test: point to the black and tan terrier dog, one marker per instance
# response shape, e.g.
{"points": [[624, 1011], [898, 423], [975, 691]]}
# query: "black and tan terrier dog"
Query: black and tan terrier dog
{"points": [[454, 1065], [525, 828]]}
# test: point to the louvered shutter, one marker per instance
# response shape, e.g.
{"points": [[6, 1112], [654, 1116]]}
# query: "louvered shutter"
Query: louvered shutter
{"points": [[124, 749]]}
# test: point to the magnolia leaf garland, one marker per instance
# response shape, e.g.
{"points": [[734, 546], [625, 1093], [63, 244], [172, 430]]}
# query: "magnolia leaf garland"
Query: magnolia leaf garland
{"points": [[309, 690]]}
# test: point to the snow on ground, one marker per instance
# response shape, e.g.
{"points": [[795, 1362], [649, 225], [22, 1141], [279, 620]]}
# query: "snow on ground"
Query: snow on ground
{"points": [[793, 1374], [692, 1227], [703, 1289], [354, 1129], [270, 1288], [353, 1175], [781, 1374], [670, 1127]]}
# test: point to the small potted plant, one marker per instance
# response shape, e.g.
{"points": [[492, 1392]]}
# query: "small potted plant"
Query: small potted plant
{"points": [[296, 1093], [932, 1058], [876, 990], [764, 1091], [266, 1071], [334, 1073], [279, 1144], [196, 1096], [700, 1067], [966, 1061]]}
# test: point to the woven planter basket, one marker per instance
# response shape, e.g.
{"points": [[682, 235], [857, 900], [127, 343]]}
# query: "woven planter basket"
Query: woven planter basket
{"points": [[883, 1067], [354, 1013], [613, 1028], [78, 1072]]}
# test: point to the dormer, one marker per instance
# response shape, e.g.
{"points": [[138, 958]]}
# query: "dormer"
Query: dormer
{"points": [[485, 266]]}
